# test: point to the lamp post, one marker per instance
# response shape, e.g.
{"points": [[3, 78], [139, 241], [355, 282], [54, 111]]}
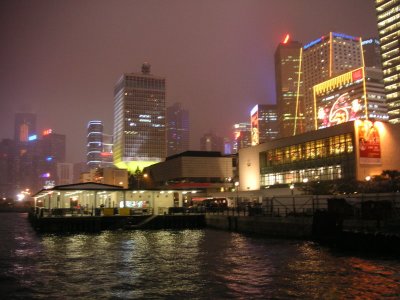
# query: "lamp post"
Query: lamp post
{"points": [[237, 192], [367, 179], [293, 202]]}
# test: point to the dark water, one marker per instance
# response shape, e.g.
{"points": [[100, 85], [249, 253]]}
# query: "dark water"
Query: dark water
{"points": [[187, 264]]}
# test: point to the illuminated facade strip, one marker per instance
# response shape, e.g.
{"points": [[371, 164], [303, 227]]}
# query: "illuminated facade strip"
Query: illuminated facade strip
{"points": [[298, 92], [330, 53], [364, 83]]}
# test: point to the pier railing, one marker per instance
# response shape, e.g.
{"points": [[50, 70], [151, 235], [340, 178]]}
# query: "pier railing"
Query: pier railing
{"points": [[354, 206]]}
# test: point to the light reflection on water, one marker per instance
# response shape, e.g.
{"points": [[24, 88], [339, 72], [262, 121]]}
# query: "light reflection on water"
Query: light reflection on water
{"points": [[195, 264]]}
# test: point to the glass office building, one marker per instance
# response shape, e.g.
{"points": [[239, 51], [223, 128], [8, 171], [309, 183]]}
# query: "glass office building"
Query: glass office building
{"points": [[139, 120]]}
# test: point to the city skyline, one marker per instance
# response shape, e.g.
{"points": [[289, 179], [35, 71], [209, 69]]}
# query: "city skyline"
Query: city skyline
{"points": [[63, 65]]}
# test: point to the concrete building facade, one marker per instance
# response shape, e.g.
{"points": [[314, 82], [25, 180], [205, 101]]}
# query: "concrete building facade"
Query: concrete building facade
{"points": [[193, 170], [351, 150]]}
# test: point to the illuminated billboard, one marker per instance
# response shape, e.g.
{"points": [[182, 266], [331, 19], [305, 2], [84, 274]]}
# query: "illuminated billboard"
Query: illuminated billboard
{"points": [[340, 99], [369, 143], [255, 133]]}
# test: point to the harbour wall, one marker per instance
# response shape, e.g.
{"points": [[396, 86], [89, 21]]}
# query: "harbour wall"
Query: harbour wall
{"points": [[288, 227]]}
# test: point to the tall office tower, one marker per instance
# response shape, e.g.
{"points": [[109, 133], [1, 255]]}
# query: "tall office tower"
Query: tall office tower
{"points": [[52, 151], [242, 136], [94, 145], [288, 56], [139, 120], [388, 17], [8, 162], [24, 127], [107, 158], [211, 142], [177, 129], [264, 123], [372, 53], [375, 94], [324, 58], [26, 155]]}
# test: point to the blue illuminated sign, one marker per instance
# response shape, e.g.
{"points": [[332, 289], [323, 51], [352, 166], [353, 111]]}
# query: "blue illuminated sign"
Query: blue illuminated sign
{"points": [[32, 137], [370, 41], [345, 36], [49, 158], [313, 43]]}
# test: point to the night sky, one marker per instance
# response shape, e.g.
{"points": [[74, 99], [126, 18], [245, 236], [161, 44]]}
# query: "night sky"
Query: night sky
{"points": [[61, 59]]}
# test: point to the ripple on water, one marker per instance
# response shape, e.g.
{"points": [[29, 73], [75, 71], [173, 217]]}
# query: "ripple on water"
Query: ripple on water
{"points": [[195, 264]]}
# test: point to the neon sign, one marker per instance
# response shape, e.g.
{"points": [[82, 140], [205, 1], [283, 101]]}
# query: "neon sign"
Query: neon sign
{"points": [[313, 43], [32, 137], [47, 131], [286, 39], [370, 41], [345, 36]]}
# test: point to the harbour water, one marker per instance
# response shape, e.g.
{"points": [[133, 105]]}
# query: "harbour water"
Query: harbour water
{"points": [[182, 264]]}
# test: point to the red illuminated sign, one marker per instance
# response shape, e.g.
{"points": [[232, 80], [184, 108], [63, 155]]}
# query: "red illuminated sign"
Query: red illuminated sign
{"points": [[105, 154], [357, 74], [286, 38], [47, 131]]}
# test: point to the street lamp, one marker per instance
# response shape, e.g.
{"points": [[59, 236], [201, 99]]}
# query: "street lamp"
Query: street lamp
{"points": [[237, 192], [367, 179], [292, 192]]}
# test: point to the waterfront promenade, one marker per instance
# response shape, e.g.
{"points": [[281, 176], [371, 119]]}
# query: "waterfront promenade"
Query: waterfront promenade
{"points": [[366, 222]]}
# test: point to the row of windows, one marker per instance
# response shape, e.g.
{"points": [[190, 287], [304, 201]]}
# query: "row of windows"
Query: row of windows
{"points": [[390, 28], [144, 83], [322, 148], [304, 175]]}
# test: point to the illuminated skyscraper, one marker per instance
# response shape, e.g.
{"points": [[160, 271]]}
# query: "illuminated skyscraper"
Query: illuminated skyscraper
{"points": [[324, 58], [25, 126], [50, 151], [388, 17], [27, 155], [177, 129], [242, 136], [264, 123], [372, 53], [139, 120], [107, 158], [288, 87], [94, 144]]}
